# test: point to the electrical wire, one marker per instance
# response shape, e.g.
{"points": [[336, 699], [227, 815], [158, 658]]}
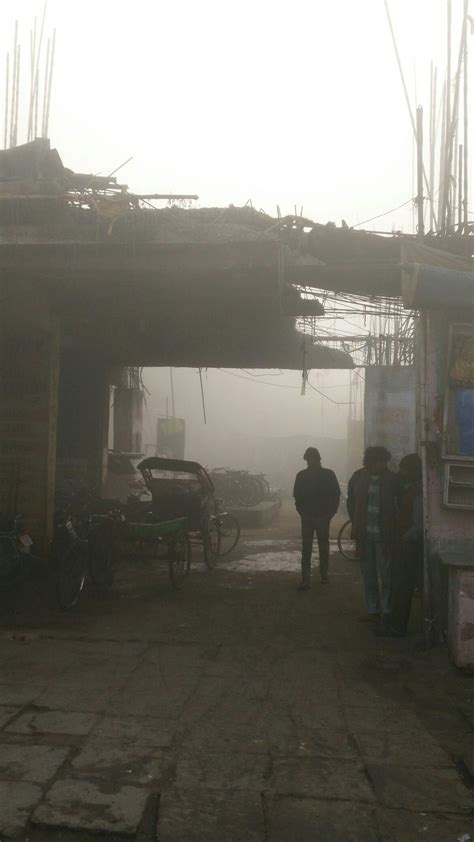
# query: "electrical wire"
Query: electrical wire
{"points": [[380, 215], [281, 386], [328, 398], [253, 380]]}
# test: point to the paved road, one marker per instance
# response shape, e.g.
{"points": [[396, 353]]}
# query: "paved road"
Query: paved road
{"points": [[236, 710]]}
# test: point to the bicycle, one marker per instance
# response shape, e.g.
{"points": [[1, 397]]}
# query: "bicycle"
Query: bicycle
{"points": [[69, 558], [228, 528], [346, 544], [16, 558]]}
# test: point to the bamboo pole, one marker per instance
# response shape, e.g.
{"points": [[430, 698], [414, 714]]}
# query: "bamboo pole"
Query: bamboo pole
{"points": [[419, 157], [15, 59], [50, 84], [32, 81], [7, 96], [45, 89], [447, 168], [451, 133], [172, 391], [37, 73], [466, 124], [454, 182], [460, 188], [433, 102], [402, 76], [17, 98], [442, 160]]}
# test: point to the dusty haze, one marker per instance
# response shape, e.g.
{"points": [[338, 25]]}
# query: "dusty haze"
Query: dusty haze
{"points": [[281, 104]]}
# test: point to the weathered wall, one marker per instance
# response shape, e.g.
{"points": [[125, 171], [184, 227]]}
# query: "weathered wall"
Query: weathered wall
{"points": [[390, 409], [461, 616], [83, 421], [128, 419], [29, 367], [450, 531]]}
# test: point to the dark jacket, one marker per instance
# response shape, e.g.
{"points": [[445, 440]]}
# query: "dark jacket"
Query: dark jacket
{"points": [[357, 506], [317, 493], [410, 517]]}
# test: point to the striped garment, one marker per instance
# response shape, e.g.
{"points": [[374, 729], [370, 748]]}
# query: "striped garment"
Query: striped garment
{"points": [[373, 508]]}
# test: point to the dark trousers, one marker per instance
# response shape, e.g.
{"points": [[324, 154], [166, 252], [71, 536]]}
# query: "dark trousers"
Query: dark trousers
{"points": [[310, 525], [404, 577]]}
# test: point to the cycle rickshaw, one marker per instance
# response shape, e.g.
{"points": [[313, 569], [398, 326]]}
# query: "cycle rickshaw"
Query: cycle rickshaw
{"points": [[181, 488]]}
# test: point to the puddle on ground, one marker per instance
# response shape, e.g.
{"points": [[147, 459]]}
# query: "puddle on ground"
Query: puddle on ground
{"points": [[260, 543], [280, 561]]}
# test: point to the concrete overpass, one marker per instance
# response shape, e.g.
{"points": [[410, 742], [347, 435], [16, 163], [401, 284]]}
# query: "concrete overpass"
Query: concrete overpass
{"points": [[90, 281]]}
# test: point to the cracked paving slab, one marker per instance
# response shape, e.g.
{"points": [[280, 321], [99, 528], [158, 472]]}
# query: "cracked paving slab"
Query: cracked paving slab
{"points": [[114, 760], [290, 739], [403, 826], [222, 771], [85, 805], [33, 763], [316, 777], [403, 747], [17, 800], [308, 820], [70, 723], [7, 714], [151, 731], [200, 815], [440, 790], [221, 694]]}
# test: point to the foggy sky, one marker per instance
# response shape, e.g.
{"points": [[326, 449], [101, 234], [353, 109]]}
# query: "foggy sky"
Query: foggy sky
{"points": [[279, 103], [289, 104]]}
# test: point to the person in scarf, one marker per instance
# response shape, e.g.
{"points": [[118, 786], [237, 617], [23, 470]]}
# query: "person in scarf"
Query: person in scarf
{"points": [[406, 572], [373, 508]]}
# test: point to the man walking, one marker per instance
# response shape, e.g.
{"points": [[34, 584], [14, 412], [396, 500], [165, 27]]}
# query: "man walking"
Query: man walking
{"points": [[372, 507], [317, 495]]}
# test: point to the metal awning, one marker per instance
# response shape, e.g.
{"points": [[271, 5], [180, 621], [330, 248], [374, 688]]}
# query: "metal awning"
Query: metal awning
{"points": [[426, 287], [435, 279]]}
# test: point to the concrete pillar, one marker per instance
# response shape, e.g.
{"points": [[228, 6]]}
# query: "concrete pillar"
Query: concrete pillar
{"points": [[128, 419], [29, 367], [83, 422]]}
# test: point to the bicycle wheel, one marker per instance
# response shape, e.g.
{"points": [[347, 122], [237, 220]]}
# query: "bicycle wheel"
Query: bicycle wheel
{"points": [[346, 544], [11, 563], [71, 575], [179, 560], [229, 533], [211, 543], [250, 492], [102, 556], [266, 486]]}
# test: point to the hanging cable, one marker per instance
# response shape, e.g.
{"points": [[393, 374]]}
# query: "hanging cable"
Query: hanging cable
{"points": [[202, 396], [380, 215]]}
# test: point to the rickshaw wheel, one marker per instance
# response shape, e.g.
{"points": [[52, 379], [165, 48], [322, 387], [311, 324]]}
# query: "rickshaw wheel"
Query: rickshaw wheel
{"points": [[102, 557], [212, 543], [179, 560], [346, 544], [229, 533], [71, 574]]}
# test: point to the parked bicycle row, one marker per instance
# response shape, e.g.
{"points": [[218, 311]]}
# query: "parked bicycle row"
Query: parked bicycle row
{"points": [[91, 535], [241, 488]]}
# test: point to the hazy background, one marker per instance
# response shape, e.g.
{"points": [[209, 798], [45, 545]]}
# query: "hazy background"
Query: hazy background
{"points": [[282, 103], [289, 104]]}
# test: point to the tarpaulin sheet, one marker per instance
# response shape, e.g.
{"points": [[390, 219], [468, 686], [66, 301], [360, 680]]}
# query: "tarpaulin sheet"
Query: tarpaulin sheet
{"points": [[432, 278]]}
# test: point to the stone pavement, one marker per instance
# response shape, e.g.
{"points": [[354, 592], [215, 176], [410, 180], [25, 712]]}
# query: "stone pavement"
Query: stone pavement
{"points": [[236, 710]]}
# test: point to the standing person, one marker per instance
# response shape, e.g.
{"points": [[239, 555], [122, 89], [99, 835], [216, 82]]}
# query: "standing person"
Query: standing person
{"points": [[317, 495], [410, 523], [372, 507]]}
